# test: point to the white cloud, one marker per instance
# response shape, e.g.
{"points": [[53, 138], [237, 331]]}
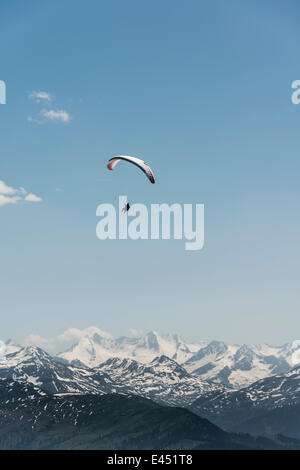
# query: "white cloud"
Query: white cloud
{"points": [[10, 195], [70, 335], [32, 198], [74, 334], [39, 341], [8, 200], [64, 340], [135, 332], [40, 96], [46, 114], [4, 189], [58, 115]]}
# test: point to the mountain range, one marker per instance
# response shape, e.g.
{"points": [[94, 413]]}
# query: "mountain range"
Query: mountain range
{"points": [[96, 346], [162, 380], [270, 405], [232, 365]]}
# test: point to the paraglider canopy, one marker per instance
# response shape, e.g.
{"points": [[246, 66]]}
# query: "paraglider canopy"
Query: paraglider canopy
{"points": [[136, 161]]}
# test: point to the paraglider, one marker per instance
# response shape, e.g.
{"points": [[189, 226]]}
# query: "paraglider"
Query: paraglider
{"points": [[135, 161], [112, 162]]}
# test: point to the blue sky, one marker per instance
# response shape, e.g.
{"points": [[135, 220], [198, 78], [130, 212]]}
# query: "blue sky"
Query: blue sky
{"points": [[201, 90]]}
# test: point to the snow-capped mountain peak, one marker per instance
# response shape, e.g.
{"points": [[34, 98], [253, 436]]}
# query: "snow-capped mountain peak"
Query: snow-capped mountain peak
{"points": [[237, 365], [162, 380], [34, 366], [165, 365], [93, 349]]}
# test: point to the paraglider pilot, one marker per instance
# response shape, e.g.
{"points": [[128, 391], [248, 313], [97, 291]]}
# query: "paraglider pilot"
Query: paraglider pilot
{"points": [[126, 207]]}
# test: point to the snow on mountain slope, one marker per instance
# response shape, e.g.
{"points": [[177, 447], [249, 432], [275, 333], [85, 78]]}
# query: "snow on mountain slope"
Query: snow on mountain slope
{"points": [[239, 366], [94, 348], [162, 380], [34, 366], [232, 365], [276, 391], [228, 408], [12, 391]]}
